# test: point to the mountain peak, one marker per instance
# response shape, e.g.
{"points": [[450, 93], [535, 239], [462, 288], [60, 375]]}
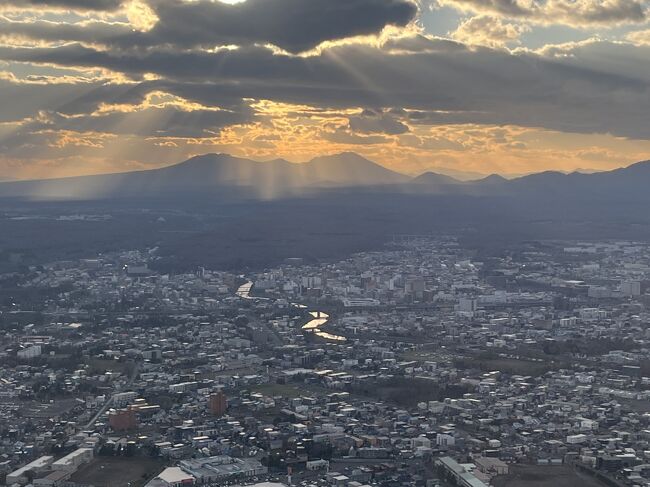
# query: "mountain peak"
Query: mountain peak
{"points": [[343, 157], [637, 166], [233, 177], [434, 178], [492, 179], [352, 167], [208, 158]]}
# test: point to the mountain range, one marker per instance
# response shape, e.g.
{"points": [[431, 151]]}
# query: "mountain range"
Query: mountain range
{"points": [[219, 175], [229, 177], [220, 211]]}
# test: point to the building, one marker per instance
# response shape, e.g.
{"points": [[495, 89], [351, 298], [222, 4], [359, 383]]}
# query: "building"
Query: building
{"points": [[218, 403], [467, 305], [172, 477], [123, 419], [631, 288], [317, 465], [30, 352], [491, 466], [72, 461], [52, 479], [222, 468], [458, 473], [23, 474], [124, 398]]}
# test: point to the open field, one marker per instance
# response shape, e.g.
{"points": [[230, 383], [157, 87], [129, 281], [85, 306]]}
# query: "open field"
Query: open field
{"points": [[104, 365], [544, 476], [407, 392], [290, 390], [117, 471], [35, 409], [507, 365], [284, 390]]}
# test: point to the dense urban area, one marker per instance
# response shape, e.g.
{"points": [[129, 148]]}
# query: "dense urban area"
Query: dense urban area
{"points": [[422, 364]]}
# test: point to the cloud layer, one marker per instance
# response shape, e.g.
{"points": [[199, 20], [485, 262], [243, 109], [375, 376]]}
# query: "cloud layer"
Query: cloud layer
{"points": [[579, 13], [80, 5], [266, 75]]}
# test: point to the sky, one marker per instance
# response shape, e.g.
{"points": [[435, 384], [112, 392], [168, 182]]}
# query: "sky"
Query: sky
{"points": [[465, 87]]}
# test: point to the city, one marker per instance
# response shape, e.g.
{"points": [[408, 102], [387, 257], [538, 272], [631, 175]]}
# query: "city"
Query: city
{"points": [[324, 243], [423, 363]]}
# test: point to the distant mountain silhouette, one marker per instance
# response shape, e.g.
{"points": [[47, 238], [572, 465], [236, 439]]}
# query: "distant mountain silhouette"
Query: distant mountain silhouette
{"points": [[259, 213], [218, 174], [227, 177], [492, 179], [434, 178], [620, 184], [345, 169], [625, 183]]}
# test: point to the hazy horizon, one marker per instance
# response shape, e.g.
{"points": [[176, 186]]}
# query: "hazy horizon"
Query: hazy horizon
{"points": [[446, 171]]}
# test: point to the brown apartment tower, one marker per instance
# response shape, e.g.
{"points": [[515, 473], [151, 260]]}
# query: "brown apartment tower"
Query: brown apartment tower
{"points": [[218, 403]]}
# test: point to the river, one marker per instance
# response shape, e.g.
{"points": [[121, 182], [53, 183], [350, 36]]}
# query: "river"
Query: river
{"points": [[319, 319]]}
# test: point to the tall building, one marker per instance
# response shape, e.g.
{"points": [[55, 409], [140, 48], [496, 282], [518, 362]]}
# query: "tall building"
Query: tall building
{"points": [[30, 352], [415, 287], [218, 403], [467, 305], [631, 288]]}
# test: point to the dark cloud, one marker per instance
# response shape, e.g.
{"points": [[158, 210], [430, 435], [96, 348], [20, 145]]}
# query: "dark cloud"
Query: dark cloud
{"points": [[82, 5], [591, 87], [293, 25], [581, 88], [41, 137], [371, 121], [66, 97], [167, 121], [76, 98], [91, 32], [224, 57]]}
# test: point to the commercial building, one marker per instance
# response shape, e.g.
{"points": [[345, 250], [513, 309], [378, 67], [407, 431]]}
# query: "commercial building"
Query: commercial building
{"points": [[220, 468], [172, 477], [458, 473], [72, 461], [30, 352], [22, 475]]}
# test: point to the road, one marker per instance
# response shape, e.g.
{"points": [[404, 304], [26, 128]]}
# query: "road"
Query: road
{"points": [[109, 402]]}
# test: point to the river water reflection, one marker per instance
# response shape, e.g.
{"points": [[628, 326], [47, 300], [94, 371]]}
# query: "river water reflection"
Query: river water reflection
{"points": [[319, 319]]}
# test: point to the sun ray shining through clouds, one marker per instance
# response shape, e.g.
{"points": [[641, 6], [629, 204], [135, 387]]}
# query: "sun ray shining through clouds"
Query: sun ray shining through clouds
{"points": [[478, 86], [345, 243]]}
